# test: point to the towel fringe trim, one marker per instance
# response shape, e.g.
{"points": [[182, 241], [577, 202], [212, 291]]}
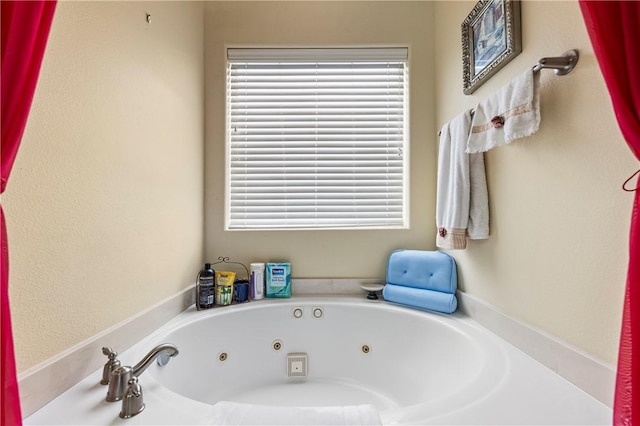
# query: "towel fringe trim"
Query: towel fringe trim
{"points": [[451, 238]]}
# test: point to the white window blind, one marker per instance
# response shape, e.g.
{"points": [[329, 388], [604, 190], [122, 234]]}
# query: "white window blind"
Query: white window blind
{"points": [[317, 138]]}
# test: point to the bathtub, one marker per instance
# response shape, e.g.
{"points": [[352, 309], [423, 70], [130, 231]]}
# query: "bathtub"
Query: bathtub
{"points": [[414, 367]]}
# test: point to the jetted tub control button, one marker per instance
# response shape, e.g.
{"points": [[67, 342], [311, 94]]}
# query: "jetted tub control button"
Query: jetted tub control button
{"points": [[297, 312]]}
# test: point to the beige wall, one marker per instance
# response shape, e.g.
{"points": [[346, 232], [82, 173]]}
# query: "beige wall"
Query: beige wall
{"points": [[557, 253], [331, 24], [104, 207]]}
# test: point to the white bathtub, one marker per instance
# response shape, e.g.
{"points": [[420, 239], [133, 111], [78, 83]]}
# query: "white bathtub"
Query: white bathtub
{"points": [[415, 367]]}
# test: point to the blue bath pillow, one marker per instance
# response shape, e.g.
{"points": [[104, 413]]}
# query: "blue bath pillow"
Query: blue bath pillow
{"points": [[429, 270], [420, 298]]}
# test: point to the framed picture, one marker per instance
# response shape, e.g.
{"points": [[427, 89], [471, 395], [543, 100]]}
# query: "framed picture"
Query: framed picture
{"points": [[491, 37]]}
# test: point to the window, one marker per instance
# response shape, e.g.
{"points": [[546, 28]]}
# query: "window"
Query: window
{"points": [[317, 138]]}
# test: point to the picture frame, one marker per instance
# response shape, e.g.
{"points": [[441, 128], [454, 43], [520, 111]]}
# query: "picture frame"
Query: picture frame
{"points": [[491, 37]]}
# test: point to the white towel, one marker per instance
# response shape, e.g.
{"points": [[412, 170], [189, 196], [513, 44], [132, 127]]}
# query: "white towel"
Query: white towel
{"points": [[233, 413], [478, 226], [518, 105], [462, 202]]}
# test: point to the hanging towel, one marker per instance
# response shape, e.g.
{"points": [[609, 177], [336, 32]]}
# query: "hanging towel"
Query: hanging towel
{"points": [[478, 226], [462, 202], [233, 413], [511, 113]]}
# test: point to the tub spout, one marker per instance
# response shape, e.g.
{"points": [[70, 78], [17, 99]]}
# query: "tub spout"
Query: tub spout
{"points": [[159, 351], [120, 376]]}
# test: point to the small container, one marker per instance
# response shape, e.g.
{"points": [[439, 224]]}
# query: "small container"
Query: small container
{"points": [[224, 287], [257, 281], [278, 280], [241, 291], [205, 288]]}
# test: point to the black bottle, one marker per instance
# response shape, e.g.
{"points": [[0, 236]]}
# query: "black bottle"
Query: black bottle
{"points": [[205, 288]]}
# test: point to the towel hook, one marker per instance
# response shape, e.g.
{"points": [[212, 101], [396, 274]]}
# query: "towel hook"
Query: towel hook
{"points": [[624, 185]]}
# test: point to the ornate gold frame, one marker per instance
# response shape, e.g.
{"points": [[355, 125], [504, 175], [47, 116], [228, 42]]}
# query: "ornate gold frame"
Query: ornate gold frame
{"points": [[475, 74]]}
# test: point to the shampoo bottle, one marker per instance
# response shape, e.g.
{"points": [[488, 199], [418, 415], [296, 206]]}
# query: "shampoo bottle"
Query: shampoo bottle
{"points": [[205, 288]]}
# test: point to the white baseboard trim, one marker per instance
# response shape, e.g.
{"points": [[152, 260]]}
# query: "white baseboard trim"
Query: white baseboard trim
{"points": [[589, 374], [44, 382]]}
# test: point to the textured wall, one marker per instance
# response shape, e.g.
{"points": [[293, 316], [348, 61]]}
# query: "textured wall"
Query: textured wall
{"points": [[104, 206], [557, 253], [328, 24]]}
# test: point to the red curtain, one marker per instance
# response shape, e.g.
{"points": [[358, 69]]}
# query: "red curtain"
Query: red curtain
{"points": [[25, 29], [614, 30]]}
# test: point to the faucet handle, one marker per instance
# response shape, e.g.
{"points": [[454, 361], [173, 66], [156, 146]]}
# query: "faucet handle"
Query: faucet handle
{"points": [[111, 364], [132, 401], [106, 350]]}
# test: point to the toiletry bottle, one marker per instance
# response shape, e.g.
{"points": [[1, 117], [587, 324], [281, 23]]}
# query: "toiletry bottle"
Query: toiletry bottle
{"points": [[205, 288], [257, 281]]}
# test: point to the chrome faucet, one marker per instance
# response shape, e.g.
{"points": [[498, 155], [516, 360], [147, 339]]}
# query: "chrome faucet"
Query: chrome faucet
{"points": [[119, 380]]}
